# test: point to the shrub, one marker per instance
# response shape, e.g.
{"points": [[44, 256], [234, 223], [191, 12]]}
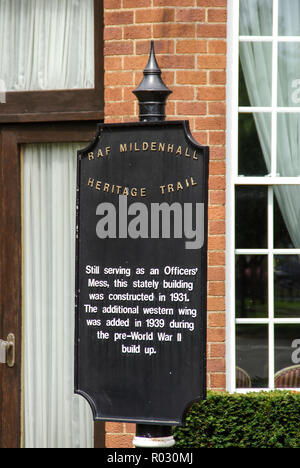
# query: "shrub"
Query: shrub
{"points": [[252, 420]]}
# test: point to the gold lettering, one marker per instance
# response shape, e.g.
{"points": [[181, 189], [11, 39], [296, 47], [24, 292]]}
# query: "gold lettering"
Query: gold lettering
{"points": [[107, 150], [161, 146], [162, 188], [194, 156], [136, 148], [100, 154], [130, 146], [170, 188], [193, 182], [179, 186], [145, 145], [91, 156], [123, 148], [153, 146], [179, 150], [187, 183], [117, 189], [170, 148], [187, 153]]}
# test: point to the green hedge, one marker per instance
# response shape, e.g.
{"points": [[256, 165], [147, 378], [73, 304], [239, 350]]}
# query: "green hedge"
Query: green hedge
{"points": [[253, 420]]}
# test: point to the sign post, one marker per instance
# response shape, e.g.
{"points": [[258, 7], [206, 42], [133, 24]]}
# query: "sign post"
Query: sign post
{"points": [[140, 334]]}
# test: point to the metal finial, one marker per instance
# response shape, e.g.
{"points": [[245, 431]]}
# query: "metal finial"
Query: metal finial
{"points": [[152, 93]]}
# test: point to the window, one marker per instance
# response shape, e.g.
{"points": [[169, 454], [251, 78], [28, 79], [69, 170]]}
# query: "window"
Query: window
{"points": [[51, 65], [264, 195]]}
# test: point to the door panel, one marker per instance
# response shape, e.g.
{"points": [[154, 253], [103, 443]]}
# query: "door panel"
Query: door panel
{"points": [[53, 416], [10, 290]]}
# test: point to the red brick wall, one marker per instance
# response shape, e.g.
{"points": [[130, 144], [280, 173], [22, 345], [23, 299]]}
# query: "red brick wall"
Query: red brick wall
{"points": [[190, 45]]}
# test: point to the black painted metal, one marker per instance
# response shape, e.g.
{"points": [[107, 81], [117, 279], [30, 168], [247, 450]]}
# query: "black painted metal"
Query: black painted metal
{"points": [[132, 386], [152, 93], [152, 431], [152, 392]]}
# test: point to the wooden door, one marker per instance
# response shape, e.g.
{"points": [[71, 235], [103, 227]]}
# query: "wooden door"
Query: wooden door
{"points": [[11, 281]]}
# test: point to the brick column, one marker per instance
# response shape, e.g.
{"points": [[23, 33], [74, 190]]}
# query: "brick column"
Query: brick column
{"points": [[190, 46]]}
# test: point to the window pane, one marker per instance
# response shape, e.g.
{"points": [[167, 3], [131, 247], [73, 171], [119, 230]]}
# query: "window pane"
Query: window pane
{"points": [[54, 417], [251, 286], [243, 93], [287, 286], [287, 356], [254, 146], [256, 61], [288, 74], [256, 17], [251, 217], [288, 144], [46, 44], [289, 18], [286, 216], [252, 353]]}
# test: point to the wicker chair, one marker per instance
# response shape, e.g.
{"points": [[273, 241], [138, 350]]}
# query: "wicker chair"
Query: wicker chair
{"points": [[289, 377], [243, 380]]}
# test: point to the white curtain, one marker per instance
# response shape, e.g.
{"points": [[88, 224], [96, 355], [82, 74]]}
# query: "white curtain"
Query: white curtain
{"points": [[46, 44], [54, 416], [256, 61], [49, 44]]}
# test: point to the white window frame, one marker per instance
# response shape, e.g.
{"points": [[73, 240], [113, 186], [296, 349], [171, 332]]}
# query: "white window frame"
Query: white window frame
{"points": [[233, 180]]}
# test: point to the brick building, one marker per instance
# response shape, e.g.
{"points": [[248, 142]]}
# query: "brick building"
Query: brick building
{"points": [[190, 45], [232, 69]]}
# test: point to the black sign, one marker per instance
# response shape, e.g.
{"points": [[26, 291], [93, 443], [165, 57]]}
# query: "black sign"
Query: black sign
{"points": [[140, 345]]}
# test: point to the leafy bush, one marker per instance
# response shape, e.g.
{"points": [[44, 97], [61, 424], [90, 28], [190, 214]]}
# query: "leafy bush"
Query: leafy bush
{"points": [[252, 420]]}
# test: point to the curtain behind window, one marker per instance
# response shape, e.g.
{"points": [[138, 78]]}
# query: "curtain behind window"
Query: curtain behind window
{"points": [[46, 44], [256, 61], [54, 416]]}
